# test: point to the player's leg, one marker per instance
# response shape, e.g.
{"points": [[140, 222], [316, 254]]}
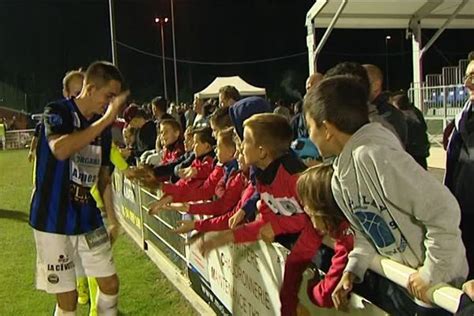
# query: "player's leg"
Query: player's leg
{"points": [[55, 271], [98, 262]]}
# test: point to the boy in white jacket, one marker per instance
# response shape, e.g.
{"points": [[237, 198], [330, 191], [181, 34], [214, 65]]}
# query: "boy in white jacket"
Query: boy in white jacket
{"points": [[396, 208]]}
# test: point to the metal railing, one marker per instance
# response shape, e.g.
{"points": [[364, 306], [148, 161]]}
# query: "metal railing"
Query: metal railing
{"points": [[156, 231]]}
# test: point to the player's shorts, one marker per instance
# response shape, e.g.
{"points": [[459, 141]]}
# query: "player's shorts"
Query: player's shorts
{"points": [[59, 258]]}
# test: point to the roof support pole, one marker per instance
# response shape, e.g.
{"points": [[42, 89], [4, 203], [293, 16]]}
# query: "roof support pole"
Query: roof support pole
{"points": [[328, 32], [417, 65], [311, 36], [313, 54], [443, 27], [418, 50]]}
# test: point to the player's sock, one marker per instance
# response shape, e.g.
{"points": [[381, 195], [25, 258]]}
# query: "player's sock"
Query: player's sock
{"points": [[60, 312], [106, 304], [93, 288]]}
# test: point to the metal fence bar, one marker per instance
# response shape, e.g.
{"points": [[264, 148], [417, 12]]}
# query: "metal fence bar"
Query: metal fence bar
{"points": [[150, 229]]}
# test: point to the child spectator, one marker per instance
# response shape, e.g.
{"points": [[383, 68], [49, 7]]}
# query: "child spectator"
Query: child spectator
{"points": [[220, 120], [153, 157], [396, 208], [225, 182], [170, 170], [201, 167], [170, 133], [129, 136], [314, 191], [222, 222], [266, 146], [239, 112]]}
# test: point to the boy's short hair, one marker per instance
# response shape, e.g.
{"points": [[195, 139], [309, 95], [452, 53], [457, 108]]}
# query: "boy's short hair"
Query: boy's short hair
{"points": [[70, 75], [272, 131], [226, 137], [352, 69], [101, 72], [160, 103], [141, 113], [221, 118], [205, 135], [230, 92], [171, 123], [339, 100]]}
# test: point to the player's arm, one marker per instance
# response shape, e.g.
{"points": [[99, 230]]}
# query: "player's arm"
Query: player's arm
{"points": [[105, 189]]}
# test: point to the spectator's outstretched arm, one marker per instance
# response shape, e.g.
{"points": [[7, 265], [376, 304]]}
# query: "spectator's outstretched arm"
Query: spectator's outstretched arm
{"points": [[206, 191]]}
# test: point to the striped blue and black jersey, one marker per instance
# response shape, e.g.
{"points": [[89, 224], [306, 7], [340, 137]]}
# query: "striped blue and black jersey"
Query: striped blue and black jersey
{"points": [[61, 201]]}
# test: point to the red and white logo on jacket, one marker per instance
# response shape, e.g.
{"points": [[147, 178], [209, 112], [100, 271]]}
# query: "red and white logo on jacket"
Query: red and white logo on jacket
{"points": [[283, 205]]}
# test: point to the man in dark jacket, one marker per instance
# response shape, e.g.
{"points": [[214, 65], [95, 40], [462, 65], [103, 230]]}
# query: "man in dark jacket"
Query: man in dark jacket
{"points": [[418, 145], [146, 135], [159, 105], [460, 167], [380, 100]]}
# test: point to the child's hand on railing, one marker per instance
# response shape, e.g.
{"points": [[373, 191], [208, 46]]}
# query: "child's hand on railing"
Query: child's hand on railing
{"points": [[266, 233], [342, 290], [160, 205], [418, 287], [236, 219], [184, 227], [468, 288]]}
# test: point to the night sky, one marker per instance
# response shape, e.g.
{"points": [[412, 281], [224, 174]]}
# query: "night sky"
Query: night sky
{"points": [[40, 40]]}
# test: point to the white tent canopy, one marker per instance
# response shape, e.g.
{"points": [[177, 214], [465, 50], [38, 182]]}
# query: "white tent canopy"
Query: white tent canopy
{"points": [[245, 89]]}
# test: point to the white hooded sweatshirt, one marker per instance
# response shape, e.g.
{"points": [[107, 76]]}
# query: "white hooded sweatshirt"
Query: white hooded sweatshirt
{"points": [[397, 209]]}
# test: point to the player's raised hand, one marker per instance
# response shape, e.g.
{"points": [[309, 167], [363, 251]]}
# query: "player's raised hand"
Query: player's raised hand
{"points": [[116, 106]]}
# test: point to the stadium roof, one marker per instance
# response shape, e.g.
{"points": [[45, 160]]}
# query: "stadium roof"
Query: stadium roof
{"points": [[383, 14]]}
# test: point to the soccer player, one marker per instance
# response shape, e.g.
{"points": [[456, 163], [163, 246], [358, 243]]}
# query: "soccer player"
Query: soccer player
{"points": [[72, 156]]}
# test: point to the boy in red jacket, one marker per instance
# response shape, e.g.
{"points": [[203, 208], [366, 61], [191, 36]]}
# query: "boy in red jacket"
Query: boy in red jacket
{"points": [[266, 145], [221, 222], [200, 168], [225, 182], [170, 134]]}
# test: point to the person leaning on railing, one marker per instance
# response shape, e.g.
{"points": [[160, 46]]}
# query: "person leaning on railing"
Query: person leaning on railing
{"points": [[395, 207]]}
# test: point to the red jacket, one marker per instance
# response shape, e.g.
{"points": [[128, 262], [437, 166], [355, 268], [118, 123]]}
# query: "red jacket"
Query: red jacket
{"points": [[204, 166], [206, 191], [320, 291], [225, 182], [222, 222], [172, 152], [280, 206]]}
